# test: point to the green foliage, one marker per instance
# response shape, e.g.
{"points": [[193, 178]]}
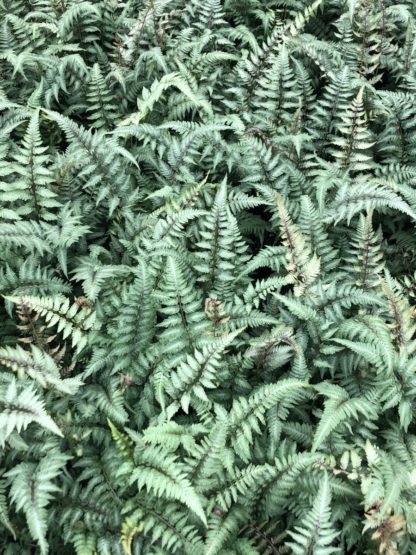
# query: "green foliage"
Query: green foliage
{"points": [[20, 407], [207, 277], [32, 489], [316, 535]]}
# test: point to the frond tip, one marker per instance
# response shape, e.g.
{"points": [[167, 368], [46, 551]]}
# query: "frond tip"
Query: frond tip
{"points": [[316, 535]]}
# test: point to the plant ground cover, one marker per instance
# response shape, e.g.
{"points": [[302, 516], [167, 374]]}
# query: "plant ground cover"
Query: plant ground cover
{"points": [[207, 277]]}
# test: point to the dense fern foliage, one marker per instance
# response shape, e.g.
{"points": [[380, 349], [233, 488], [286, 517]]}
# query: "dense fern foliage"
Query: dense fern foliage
{"points": [[207, 277]]}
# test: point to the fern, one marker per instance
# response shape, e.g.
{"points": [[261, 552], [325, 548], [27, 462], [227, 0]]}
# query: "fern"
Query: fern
{"points": [[302, 266], [162, 474], [354, 150], [316, 534], [39, 366], [246, 414], [32, 489], [338, 408], [30, 190], [197, 373], [207, 277], [71, 320], [21, 406]]}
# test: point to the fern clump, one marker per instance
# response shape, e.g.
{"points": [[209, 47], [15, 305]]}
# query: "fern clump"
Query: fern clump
{"points": [[207, 277]]}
